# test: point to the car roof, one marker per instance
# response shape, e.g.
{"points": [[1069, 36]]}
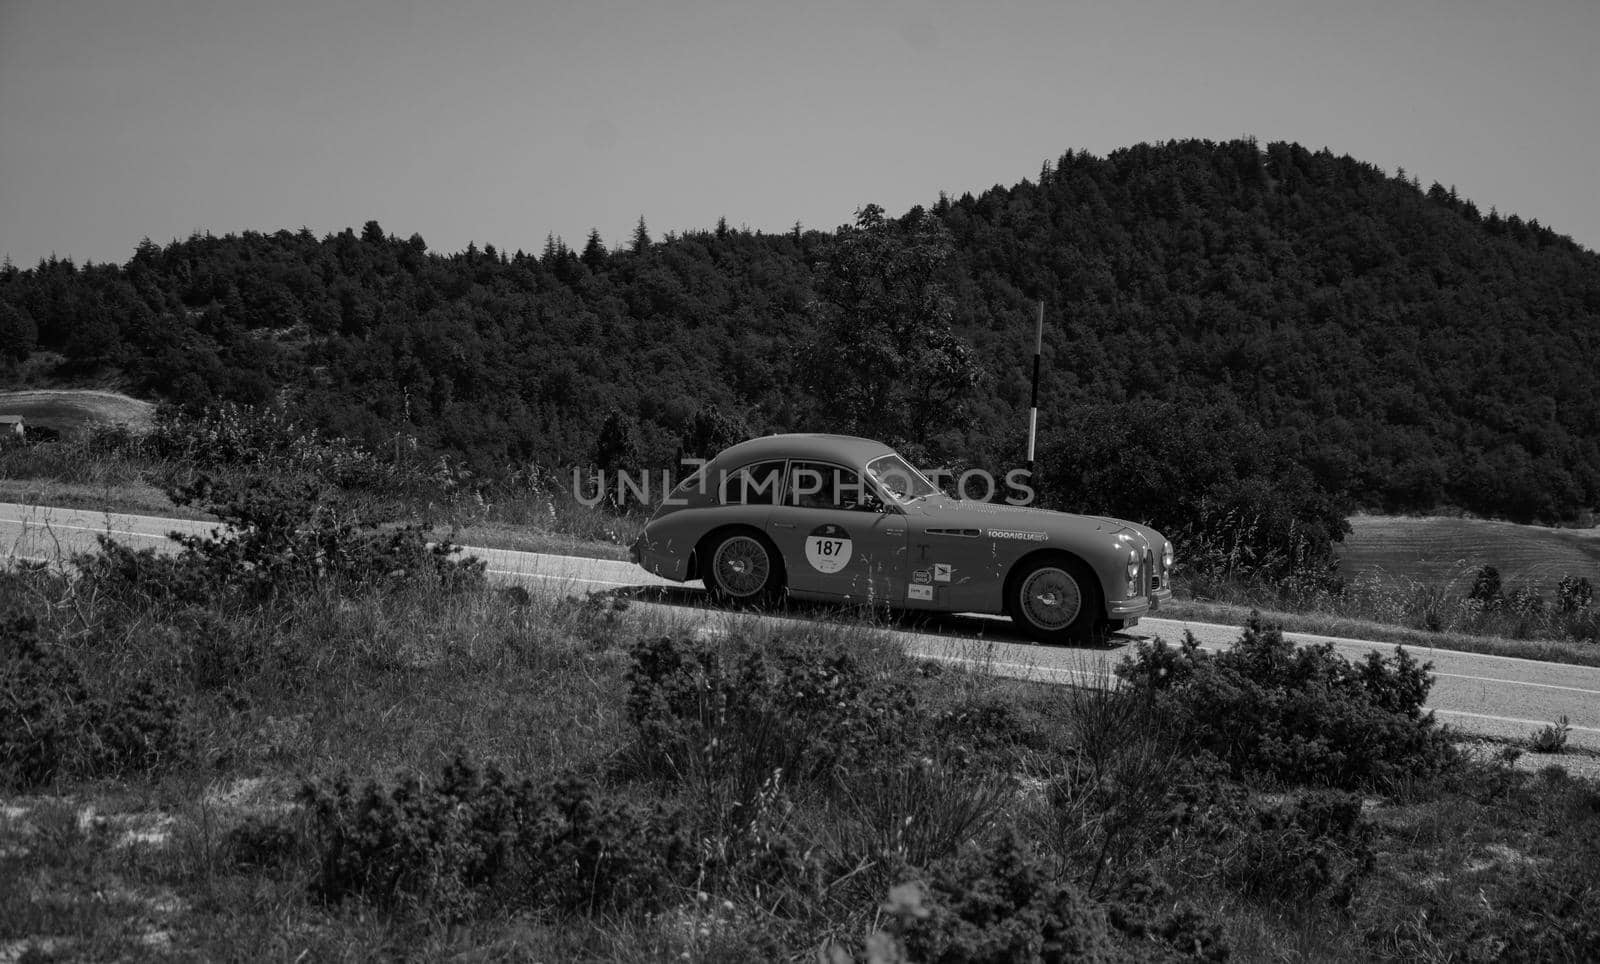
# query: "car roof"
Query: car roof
{"points": [[845, 449]]}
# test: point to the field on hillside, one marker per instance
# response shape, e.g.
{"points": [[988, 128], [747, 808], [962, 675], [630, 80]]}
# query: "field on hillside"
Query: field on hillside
{"points": [[67, 408], [1439, 550]]}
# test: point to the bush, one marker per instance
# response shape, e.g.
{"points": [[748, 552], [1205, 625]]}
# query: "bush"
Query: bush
{"points": [[987, 734], [742, 710], [1299, 714], [1000, 904], [54, 724], [1308, 847], [477, 839], [1552, 738], [1486, 588], [244, 436], [279, 540], [1574, 594], [1143, 910], [259, 844]]}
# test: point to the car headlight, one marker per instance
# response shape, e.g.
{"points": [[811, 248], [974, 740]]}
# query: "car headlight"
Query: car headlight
{"points": [[1133, 564], [1168, 557]]}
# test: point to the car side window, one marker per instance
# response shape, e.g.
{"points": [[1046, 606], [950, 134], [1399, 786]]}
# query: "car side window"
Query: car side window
{"points": [[817, 485], [756, 484]]}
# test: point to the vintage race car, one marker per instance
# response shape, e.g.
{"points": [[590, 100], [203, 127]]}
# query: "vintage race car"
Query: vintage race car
{"points": [[848, 519]]}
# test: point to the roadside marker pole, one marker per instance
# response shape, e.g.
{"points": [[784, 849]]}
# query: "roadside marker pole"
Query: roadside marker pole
{"points": [[1033, 403]]}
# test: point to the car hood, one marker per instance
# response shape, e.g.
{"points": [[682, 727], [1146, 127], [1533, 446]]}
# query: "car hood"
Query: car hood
{"points": [[940, 511]]}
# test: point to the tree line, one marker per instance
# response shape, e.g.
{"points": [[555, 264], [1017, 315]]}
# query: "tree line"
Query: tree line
{"points": [[1401, 348]]}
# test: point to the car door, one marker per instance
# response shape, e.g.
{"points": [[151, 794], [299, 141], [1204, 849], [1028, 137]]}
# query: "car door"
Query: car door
{"points": [[834, 538]]}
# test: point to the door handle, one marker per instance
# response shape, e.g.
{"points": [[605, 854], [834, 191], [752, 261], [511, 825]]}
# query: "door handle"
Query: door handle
{"points": [[894, 532], [783, 525]]}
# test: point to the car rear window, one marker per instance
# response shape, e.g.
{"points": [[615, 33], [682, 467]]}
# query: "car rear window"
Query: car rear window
{"points": [[756, 484]]}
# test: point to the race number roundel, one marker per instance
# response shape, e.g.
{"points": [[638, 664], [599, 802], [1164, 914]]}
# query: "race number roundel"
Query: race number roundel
{"points": [[828, 548]]}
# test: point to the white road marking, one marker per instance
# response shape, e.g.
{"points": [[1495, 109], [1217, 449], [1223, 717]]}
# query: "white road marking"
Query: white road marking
{"points": [[1518, 682], [1510, 719], [45, 525]]}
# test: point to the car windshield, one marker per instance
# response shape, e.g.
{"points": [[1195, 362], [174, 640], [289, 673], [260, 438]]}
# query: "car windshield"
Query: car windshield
{"points": [[896, 476]]}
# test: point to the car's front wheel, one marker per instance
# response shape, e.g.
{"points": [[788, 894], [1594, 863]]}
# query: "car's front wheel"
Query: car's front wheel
{"points": [[742, 569], [1056, 600]]}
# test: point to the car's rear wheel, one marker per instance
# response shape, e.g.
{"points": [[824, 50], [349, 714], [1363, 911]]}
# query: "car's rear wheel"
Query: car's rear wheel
{"points": [[743, 569], [1056, 600]]}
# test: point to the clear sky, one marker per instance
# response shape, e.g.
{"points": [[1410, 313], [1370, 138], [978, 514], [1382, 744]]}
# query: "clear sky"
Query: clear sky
{"points": [[501, 121]]}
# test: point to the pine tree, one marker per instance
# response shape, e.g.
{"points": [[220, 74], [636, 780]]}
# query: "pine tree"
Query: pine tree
{"points": [[641, 237], [594, 250]]}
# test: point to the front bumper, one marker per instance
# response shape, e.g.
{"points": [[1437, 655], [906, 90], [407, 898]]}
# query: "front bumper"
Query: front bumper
{"points": [[1125, 608], [1138, 605]]}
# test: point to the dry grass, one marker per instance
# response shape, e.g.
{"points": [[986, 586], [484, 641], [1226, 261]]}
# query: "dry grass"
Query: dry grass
{"points": [[1437, 550], [67, 408]]}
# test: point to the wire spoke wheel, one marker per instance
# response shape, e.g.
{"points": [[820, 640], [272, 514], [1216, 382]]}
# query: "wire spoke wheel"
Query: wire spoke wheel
{"points": [[741, 567], [1051, 599]]}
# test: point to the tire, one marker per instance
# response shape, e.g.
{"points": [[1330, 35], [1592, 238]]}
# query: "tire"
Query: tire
{"points": [[1057, 600], [742, 569]]}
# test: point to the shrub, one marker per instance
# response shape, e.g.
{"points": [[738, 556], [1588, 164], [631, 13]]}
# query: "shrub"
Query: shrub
{"points": [[243, 436], [1142, 909], [739, 709], [478, 838], [1300, 714], [986, 733], [916, 813], [53, 723], [1486, 589], [259, 844], [279, 540], [1525, 602], [1574, 594], [1308, 847], [1552, 738], [1000, 904]]}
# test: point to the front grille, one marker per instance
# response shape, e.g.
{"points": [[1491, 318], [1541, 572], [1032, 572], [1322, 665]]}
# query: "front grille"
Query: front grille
{"points": [[1152, 581]]}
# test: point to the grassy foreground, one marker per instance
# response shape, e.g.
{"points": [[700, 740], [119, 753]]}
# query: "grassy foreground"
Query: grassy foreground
{"points": [[330, 741]]}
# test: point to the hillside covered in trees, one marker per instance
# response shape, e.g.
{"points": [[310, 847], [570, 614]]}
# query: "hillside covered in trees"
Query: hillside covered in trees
{"points": [[1404, 348]]}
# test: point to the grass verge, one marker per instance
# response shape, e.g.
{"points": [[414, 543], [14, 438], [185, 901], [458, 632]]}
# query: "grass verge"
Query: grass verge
{"points": [[1576, 652], [343, 746]]}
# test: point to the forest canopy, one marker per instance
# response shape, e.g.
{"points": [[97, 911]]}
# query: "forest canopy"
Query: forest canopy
{"points": [[1403, 348]]}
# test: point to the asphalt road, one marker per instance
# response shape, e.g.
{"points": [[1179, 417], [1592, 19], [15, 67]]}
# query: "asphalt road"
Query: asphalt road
{"points": [[1489, 695]]}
